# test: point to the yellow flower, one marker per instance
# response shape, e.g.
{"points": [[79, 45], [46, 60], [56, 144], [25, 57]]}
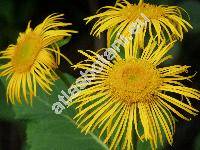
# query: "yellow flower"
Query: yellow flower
{"points": [[31, 61], [140, 19], [130, 91]]}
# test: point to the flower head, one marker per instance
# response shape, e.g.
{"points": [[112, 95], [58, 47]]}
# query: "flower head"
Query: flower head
{"points": [[130, 91], [140, 19], [33, 59]]}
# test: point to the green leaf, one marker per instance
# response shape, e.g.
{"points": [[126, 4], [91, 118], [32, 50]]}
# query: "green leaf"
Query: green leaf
{"points": [[192, 8], [46, 130], [64, 41], [145, 145], [6, 112], [59, 133]]}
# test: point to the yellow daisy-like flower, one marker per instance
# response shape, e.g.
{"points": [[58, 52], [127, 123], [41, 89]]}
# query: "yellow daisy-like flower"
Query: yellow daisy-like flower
{"points": [[130, 91], [31, 61], [140, 19]]}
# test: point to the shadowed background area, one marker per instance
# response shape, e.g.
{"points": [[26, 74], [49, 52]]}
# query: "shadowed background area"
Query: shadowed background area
{"points": [[14, 17]]}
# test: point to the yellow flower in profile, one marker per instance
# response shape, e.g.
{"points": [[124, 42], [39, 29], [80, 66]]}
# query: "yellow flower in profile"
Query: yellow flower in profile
{"points": [[34, 58], [142, 19], [130, 92]]}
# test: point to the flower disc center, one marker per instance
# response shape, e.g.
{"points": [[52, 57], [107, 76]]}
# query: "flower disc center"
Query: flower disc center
{"points": [[133, 11], [134, 80], [27, 49]]}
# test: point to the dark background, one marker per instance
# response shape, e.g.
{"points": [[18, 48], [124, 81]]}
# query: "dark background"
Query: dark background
{"points": [[14, 16]]}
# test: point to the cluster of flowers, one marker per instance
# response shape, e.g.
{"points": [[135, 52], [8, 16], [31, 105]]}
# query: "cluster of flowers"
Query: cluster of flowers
{"points": [[114, 95], [59, 106], [133, 89]]}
